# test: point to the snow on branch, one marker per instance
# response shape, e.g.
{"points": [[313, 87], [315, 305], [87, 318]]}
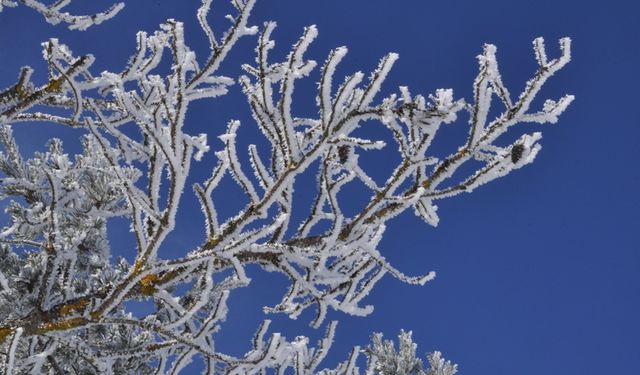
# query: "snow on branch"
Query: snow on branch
{"points": [[384, 359], [54, 13], [63, 302]]}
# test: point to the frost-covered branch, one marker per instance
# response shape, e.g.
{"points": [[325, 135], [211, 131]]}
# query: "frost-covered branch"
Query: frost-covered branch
{"points": [[54, 13], [385, 360], [63, 300]]}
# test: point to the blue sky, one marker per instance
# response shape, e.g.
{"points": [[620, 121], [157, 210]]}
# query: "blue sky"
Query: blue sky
{"points": [[538, 271]]}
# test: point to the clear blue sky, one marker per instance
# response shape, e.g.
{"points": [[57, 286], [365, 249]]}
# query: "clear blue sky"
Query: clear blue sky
{"points": [[538, 272]]}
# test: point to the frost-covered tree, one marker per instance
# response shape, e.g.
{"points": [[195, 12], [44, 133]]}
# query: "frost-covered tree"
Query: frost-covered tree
{"points": [[62, 297]]}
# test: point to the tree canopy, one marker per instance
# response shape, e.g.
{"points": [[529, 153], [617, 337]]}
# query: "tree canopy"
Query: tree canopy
{"points": [[62, 296]]}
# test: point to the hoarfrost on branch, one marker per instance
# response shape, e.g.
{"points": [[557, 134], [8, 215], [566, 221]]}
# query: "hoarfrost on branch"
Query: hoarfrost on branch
{"points": [[62, 299]]}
